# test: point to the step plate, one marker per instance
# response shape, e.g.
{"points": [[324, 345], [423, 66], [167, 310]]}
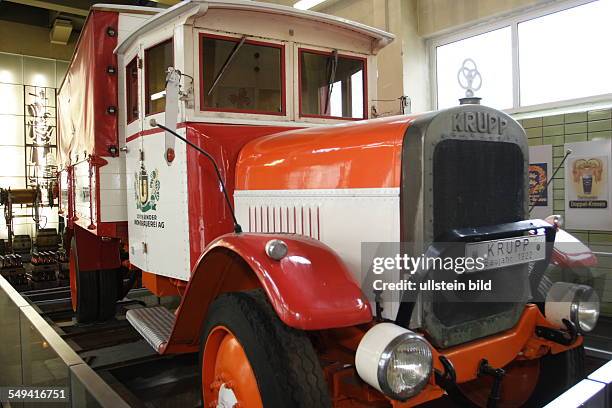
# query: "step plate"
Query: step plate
{"points": [[153, 323]]}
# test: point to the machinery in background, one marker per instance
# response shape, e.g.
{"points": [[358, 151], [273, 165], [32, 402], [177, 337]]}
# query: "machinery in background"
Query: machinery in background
{"points": [[27, 265], [23, 196]]}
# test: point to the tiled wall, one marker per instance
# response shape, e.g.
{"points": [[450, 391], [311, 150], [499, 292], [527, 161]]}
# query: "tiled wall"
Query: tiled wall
{"points": [[15, 72], [568, 128]]}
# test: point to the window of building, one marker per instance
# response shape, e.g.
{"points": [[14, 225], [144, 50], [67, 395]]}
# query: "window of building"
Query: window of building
{"points": [[331, 85], [565, 55], [552, 54], [492, 55], [131, 90], [157, 60], [239, 75]]}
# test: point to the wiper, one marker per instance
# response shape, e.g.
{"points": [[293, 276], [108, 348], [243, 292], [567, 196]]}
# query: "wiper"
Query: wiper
{"points": [[333, 59], [226, 64]]}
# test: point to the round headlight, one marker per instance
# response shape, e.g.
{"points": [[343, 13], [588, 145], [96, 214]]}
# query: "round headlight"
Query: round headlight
{"points": [[394, 360], [405, 366], [576, 303]]}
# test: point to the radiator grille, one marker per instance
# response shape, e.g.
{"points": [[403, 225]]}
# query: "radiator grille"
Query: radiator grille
{"points": [[476, 183]]}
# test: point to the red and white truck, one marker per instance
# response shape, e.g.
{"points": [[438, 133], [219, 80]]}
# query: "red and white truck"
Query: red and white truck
{"points": [[172, 122]]}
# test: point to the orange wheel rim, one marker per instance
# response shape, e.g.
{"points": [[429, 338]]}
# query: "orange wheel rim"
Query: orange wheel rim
{"points": [[73, 283], [227, 375]]}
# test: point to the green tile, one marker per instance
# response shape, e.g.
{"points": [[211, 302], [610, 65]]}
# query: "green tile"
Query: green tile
{"points": [[604, 262], [532, 122], [534, 132], [581, 137], [559, 194], [599, 125], [558, 183], [580, 127], [558, 151], [557, 162], [600, 114], [601, 237], [554, 140], [552, 120], [606, 134], [558, 205], [534, 141], [601, 247], [553, 130], [575, 117]]}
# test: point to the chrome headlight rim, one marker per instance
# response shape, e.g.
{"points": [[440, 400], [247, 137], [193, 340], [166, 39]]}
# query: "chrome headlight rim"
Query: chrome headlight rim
{"points": [[385, 359], [583, 294], [575, 303]]}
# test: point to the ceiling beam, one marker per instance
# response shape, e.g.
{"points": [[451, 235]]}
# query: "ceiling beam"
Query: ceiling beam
{"points": [[50, 5]]}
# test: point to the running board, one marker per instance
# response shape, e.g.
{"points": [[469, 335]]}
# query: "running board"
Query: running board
{"points": [[153, 323]]}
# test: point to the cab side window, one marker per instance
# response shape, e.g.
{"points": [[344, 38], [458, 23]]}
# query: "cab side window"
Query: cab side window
{"points": [[131, 90], [157, 60]]}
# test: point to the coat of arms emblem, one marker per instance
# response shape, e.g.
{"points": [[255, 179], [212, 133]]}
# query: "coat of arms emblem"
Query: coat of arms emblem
{"points": [[146, 188]]}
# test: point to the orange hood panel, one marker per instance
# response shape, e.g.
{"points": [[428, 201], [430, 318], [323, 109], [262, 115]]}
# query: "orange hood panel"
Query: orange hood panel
{"points": [[364, 154]]}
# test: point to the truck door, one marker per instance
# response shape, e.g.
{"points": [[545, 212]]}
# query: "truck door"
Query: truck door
{"points": [[136, 182]]}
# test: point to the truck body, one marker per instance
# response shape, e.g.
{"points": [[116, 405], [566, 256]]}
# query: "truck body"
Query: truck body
{"points": [[275, 108]]}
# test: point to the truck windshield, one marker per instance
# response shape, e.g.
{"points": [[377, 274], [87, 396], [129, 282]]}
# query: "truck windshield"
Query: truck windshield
{"points": [[331, 85], [241, 76]]}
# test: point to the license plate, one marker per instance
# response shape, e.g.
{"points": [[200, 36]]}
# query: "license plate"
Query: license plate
{"points": [[506, 252]]}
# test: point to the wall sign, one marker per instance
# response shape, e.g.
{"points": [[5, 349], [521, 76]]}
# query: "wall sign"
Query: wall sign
{"points": [[587, 185], [540, 170]]}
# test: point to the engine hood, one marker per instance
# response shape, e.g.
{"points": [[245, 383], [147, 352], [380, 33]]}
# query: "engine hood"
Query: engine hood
{"points": [[354, 155]]}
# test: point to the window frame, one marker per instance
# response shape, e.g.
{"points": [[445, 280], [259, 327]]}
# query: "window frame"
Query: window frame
{"points": [[128, 92], [511, 20], [146, 74], [283, 70], [300, 114]]}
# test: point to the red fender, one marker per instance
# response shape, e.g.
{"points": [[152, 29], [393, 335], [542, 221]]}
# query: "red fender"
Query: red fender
{"points": [[310, 288]]}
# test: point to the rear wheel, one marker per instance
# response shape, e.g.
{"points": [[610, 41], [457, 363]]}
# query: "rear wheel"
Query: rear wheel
{"points": [[107, 298], [83, 288], [248, 356]]}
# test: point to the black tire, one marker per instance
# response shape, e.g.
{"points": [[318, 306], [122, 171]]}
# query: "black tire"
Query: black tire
{"points": [[107, 296], [558, 373], [284, 363], [86, 290]]}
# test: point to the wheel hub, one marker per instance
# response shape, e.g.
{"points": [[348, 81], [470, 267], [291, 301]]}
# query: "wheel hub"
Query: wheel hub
{"points": [[227, 398]]}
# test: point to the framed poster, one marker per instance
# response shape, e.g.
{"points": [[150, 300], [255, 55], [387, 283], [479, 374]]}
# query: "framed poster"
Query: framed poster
{"points": [[587, 185], [540, 171]]}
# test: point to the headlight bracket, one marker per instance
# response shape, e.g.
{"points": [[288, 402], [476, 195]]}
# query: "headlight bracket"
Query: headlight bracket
{"points": [[565, 338]]}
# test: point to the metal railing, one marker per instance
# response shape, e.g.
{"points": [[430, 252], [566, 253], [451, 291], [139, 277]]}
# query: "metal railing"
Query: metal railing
{"points": [[595, 391], [32, 354]]}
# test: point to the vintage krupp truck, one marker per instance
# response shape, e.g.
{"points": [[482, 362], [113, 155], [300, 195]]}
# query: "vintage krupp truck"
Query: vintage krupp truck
{"points": [[227, 152]]}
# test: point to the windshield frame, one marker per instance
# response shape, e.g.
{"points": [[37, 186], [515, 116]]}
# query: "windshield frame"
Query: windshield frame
{"points": [[236, 39], [329, 53]]}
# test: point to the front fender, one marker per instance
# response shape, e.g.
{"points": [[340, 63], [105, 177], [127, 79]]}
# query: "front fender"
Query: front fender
{"points": [[310, 288]]}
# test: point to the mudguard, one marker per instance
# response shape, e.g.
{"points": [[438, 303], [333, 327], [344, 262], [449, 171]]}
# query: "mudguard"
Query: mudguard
{"points": [[310, 288]]}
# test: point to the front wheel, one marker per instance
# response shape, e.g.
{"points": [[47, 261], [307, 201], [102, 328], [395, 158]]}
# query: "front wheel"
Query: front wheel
{"points": [[558, 373], [250, 357]]}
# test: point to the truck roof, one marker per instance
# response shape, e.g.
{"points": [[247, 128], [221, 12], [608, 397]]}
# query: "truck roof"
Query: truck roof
{"points": [[192, 8]]}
